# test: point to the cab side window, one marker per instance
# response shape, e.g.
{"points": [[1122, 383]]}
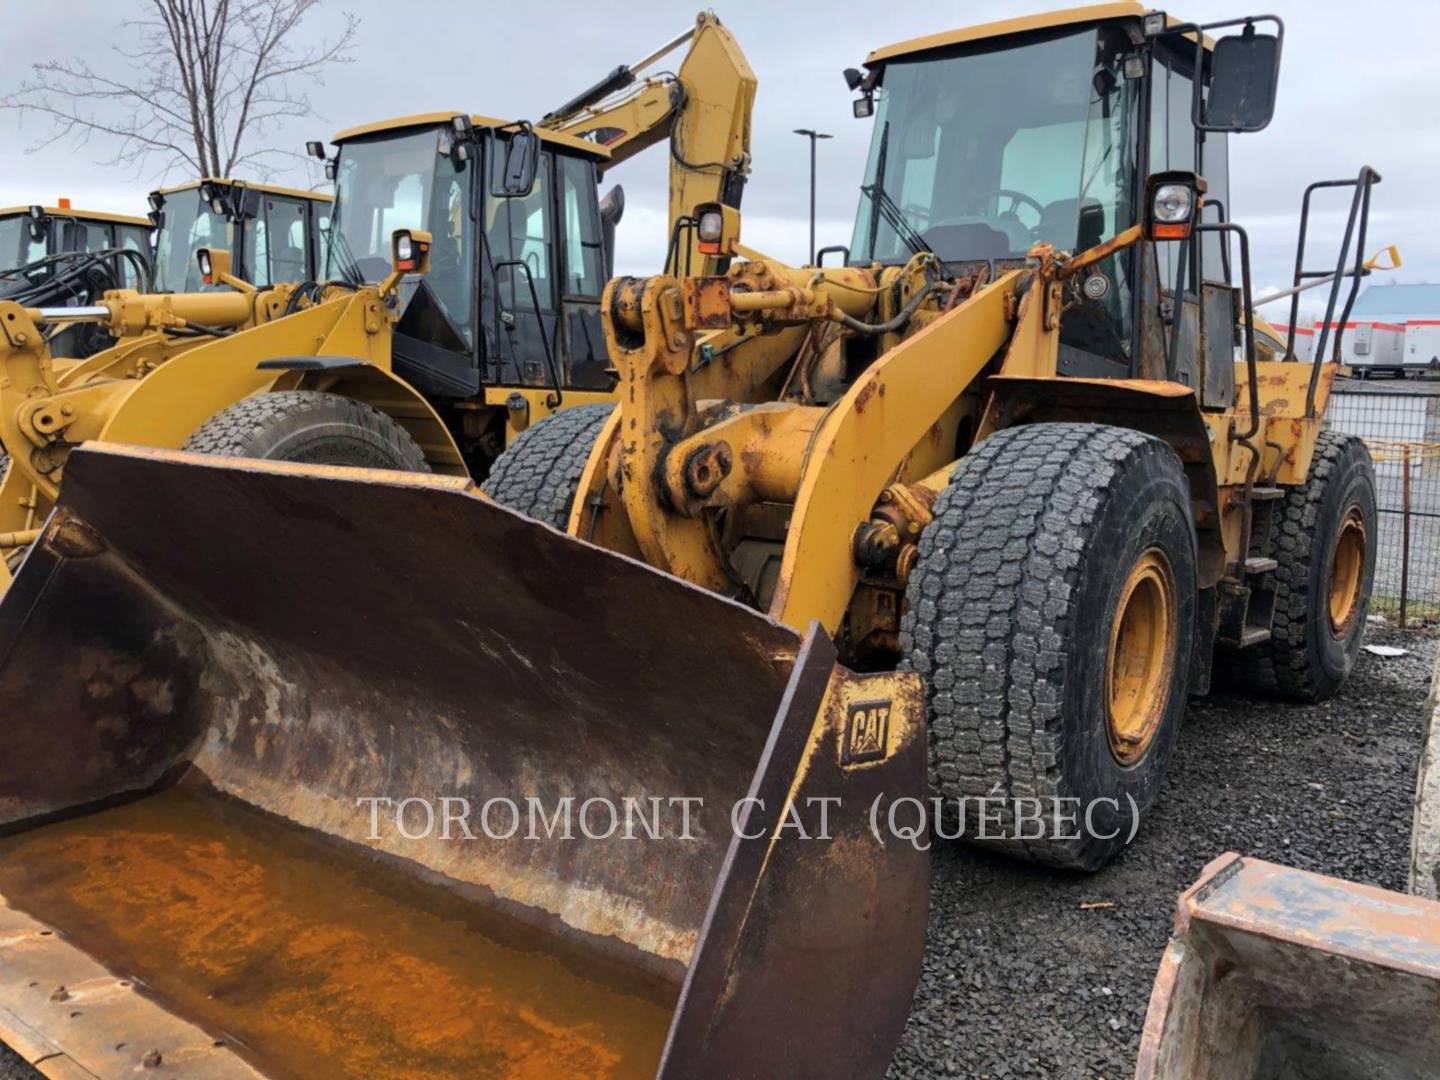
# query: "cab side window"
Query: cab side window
{"points": [[285, 238], [584, 246], [136, 239], [522, 229], [259, 236]]}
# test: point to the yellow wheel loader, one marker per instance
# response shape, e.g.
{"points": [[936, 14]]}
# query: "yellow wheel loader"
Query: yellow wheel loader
{"points": [[1008, 445], [60, 255], [300, 758], [490, 320], [71, 258], [31, 233]]}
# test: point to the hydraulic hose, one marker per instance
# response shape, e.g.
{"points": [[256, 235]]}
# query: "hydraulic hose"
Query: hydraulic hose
{"points": [[889, 326]]}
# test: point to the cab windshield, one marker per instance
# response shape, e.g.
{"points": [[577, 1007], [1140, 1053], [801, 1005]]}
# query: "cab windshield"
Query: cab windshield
{"points": [[404, 181], [983, 151], [13, 232], [189, 225]]}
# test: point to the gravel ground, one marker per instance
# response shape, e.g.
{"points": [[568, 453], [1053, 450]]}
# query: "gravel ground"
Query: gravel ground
{"points": [[1019, 981]]}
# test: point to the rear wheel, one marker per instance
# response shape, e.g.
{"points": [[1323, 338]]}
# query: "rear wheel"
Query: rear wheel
{"points": [[1325, 540], [539, 474], [1051, 612], [308, 426]]}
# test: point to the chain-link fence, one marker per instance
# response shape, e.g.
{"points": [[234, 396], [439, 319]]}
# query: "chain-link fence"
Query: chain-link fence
{"points": [[1400, 422]]}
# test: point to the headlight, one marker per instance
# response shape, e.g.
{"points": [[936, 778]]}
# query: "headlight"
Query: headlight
{"points": [[203, 258], [1174, 203], [404, 248], [711, 226]]}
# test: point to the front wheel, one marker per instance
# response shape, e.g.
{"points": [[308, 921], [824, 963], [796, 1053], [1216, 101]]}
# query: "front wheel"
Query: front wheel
{"points": [[1051, 613], [309, 426]]}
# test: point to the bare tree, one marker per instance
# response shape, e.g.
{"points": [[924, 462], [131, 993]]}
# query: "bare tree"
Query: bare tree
{"points": [[196, 88]]}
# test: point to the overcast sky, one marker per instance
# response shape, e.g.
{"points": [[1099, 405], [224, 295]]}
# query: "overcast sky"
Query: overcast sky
{"points": [[1359, 84]]}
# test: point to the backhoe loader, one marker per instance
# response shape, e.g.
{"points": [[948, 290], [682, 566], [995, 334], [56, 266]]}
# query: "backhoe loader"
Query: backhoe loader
{"points": [[988, 496], [489, 321]]}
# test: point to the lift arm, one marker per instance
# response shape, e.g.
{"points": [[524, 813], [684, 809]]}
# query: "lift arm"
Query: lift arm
{"points": [[704, 110]]}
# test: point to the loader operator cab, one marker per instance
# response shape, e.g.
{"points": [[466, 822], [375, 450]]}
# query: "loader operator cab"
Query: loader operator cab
{"points": [[59, 256], [517, 262], [990, 140], [31, 233], [274, 234]]}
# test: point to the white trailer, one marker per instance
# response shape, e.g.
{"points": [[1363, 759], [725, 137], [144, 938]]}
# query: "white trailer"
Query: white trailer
{"points": [[1368, 344], [1422, 344]]}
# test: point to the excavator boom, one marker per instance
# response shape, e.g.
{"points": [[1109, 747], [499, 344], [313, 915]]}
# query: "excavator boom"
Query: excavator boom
{"points": [[703, 109]]}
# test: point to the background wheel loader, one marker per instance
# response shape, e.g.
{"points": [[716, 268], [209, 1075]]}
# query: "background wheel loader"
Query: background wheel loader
{"points": [[990, 495], [491, 322], [273, 234], [31, 233], [72, 258], [57, 255]]}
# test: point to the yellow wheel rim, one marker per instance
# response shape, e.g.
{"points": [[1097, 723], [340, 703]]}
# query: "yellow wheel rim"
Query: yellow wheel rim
{"points": [[1141, 659], [1347, 566]]}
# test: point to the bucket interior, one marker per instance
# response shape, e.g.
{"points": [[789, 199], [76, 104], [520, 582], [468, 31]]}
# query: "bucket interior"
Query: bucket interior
{"points": [[203, 670]]}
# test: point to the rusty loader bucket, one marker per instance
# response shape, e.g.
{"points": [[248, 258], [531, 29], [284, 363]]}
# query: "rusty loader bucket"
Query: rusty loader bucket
{"points": [[275, 739], [1279, 974]]}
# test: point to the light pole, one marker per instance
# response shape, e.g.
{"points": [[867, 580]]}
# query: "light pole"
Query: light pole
{"points": [[812, 136]]}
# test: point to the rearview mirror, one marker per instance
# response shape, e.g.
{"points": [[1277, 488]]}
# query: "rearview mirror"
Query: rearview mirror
{"points": [[246, 201], [1244, 74], [522, 159]]}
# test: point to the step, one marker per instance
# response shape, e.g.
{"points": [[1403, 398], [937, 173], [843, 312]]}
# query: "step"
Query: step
{"points": [[1264, 494], [1254, 635], [1260, 564]]}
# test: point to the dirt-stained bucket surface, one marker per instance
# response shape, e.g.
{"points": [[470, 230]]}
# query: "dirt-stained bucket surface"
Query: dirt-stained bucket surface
{"points": [[316, 961]]}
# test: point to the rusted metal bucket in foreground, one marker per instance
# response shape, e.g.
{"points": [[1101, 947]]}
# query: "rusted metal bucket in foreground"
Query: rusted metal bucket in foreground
{"points": [[204, 665], [1278, 974]]}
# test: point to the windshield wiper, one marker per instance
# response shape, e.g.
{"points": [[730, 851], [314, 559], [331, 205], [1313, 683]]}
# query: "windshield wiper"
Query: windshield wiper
{"points": [[895, 218], [340, 247], [893, 215]]}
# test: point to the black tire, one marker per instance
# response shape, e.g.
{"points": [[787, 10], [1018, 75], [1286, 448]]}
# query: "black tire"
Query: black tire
{"points": [[308, 426], [1308, 658], [1010, 609], [540, 472]]}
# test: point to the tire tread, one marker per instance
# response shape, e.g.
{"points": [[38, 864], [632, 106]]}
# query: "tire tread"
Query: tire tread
{"points": [[987, 629], [232, 431], [1283, 666], [539, 473]]}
